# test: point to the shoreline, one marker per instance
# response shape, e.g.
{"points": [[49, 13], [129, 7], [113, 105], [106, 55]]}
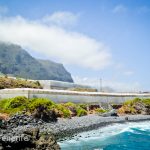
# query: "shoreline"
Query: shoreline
{"points": [[69, 127], [63, 129]]}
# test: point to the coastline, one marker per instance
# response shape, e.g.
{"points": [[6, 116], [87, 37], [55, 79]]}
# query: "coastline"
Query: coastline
{"points": [[63, 129], [69, 127]]}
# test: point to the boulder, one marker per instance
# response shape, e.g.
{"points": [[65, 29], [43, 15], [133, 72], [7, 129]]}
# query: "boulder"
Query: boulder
{"points": [[113, 112], [27, 139], [93, 106], [45, 114]]}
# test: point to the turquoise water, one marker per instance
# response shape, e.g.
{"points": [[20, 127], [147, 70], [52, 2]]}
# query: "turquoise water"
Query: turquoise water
{"points": [[129, 136]]}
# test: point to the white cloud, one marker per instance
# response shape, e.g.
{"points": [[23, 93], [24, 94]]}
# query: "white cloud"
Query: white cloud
{"points": [[61, 18], [55, 42], [119, 9], [128, 73], [108, 84], [3, 10]]}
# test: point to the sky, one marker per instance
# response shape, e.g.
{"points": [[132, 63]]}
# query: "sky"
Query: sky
{"points": [[94, 39]]}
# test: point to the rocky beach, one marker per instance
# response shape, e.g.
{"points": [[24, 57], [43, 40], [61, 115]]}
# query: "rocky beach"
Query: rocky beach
{"points": [[38, 124], [25, 132]]}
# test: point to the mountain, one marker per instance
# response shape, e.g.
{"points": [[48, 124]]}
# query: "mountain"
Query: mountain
{"points": [[16, 61], [58, 70]]}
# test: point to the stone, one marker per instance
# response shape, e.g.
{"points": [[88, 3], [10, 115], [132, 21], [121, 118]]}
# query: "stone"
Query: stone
{"points": [[113, 112], [27, 139]]}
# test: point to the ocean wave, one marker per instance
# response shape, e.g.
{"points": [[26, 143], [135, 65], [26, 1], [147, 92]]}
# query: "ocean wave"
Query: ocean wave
{"points": [[107, 135]]}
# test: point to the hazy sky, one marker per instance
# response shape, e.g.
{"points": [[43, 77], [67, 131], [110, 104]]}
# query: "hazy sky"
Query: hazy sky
{"points": [[94, 39]]}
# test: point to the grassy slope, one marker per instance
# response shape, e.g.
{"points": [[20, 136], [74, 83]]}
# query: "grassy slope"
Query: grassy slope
{"points": [[18, 83]]}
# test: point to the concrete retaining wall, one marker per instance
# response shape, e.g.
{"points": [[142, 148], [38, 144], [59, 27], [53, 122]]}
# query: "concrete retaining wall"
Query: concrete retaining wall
{"points": [[61, 96]]}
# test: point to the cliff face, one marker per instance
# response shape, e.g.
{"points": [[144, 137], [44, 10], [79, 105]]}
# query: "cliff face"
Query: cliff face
{"points": [[16, 61], [56, 70]]}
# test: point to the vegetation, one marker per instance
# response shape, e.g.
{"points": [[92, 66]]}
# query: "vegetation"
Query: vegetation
{"points": [[22, 104], [13, 105], [135, 106], [132, 102], [84, 106], [40, 107], [16, 61], [62, 111], [83, 90], [81, 112], [100, 110], [35, 103], [136, 100], [6, 82]]}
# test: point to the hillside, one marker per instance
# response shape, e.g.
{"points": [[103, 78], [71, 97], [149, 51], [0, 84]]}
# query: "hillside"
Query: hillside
{"points": [[16, 61], [59, 72], [6, 82]]}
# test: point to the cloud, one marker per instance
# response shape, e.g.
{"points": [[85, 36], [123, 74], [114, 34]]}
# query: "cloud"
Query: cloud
{"points": [[119, 9], [61, 18], [128, 73], [108, 85], [55, 42], [3, 10]]}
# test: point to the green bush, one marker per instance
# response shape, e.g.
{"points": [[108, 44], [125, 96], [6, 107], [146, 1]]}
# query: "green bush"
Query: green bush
{"points": [[37, 102], [16, 102], [146, 102], [3, 103], [81, 112], [69, 104], [13, 105], [101, 111], [84, 106], [63, 110], [129, 106], [132, 102], [20, 103]]}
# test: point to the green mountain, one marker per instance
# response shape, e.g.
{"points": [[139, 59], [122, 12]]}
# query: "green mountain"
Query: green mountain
{"points": [[16, 61]]}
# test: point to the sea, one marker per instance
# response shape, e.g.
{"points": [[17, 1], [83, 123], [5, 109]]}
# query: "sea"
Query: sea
{"points": [[125, 136]]}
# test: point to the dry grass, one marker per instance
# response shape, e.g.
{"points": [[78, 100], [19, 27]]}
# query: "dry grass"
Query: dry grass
{"points": [[4, 116]]}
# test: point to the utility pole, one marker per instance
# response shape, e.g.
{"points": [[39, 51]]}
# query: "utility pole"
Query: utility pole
{"points": [[101, 89]]}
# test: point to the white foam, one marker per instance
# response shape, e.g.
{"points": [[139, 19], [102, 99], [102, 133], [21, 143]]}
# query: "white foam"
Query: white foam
{"points": [[106, 132]]}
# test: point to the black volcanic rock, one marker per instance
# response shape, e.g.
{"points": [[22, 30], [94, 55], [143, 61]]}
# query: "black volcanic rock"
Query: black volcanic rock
{"points": [[27, 139], [16, 61]]}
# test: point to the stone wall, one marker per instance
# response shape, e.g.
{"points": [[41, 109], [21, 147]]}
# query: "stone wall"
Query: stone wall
{"points": [[61, 96]]}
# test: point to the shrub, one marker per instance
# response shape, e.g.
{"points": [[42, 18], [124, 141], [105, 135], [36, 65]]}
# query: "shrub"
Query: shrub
{"points": [[127, 110], [16, 102], [37, 102], [3, 103], [146, 102], [20, 103], [81, 112], [100, 110], [69, 104], [63, 110], [13, 105], [132, 102], [84, 106]]}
